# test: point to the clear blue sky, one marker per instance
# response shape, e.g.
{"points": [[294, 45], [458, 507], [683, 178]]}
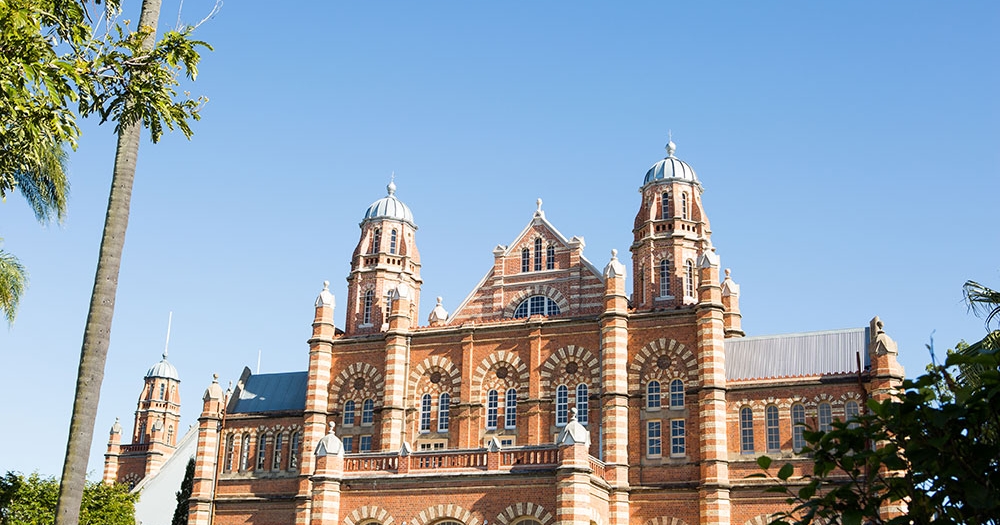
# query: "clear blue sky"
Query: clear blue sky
{"points": [[848, 150]]}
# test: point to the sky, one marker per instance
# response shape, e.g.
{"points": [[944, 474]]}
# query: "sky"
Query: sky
{"points": [[848, 152]]}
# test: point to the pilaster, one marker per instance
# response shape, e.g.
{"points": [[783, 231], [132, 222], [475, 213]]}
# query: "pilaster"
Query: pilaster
{"points": [[206, 457], [397, 356]]}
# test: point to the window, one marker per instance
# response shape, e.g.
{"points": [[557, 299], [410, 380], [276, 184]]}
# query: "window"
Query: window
{"points": [[852, 412], [376, 240], [664, 278], [261, 451], [798, 425], [665, 206], [245, 453], [684, 205], [746, 430], [653, 439], [230, 442], [293, 451], [276, 458], [538, 255], [550, 258], [425, 413], [582, 404], [366, 444], [348, 444], [349, 413], [392, 242], [163, 391], [369, 298], [677, 444], [491, 410], [444, 412], [525, 260], [689, 278], [170, 435], [677, 394], [368, 412], [388, 306], [825, 417], [773, 433], [142, 432], [536, 305], [562, 405], [653, 395], [510, 409]]}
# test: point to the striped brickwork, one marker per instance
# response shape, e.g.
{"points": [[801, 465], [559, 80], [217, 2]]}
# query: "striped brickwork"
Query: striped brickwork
{"points": [[397, 357]]}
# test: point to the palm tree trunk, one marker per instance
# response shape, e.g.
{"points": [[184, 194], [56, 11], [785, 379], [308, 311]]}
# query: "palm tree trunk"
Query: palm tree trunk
{"points": [[97, 334]]}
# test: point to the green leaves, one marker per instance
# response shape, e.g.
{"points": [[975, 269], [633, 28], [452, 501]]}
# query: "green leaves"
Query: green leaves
{"points": [[31, 500]]}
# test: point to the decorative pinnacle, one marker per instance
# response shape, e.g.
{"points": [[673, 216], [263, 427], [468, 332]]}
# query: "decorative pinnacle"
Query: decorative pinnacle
{"points": [[326, 285], [539, 203], [439, 300], [614, 254], [215, 378], [391, 188], [573, 412], [333, 425], [727, 273]]}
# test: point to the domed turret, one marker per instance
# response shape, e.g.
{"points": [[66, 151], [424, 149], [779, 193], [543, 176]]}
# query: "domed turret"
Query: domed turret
{"points": [[670, 168], [390, 207], [163, 369]]}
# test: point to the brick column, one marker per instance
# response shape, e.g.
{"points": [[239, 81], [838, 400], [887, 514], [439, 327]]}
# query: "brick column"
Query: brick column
{"points": [[111, 456], [573, 475], [614, 389], [397, 356], [326, 480], [714, 490], [732, 318], [206, 457]]}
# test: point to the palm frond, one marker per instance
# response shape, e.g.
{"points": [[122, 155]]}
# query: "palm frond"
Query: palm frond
{"points": [[13, 280], [983, 301], [45, 187]]}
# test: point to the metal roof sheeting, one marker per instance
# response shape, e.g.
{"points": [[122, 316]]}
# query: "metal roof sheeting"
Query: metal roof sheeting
{"points": [[796, 355], [272, 392]]}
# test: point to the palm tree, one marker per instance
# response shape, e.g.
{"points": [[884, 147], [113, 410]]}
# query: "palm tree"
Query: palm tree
{"points": [[13, 279], [97, 333]]}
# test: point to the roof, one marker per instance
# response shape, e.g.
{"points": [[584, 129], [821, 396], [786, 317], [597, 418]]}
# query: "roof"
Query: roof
{"points": [[829, 352], [272, 393], [163, 369], [670, 168], [157, 493], [390, 207]]}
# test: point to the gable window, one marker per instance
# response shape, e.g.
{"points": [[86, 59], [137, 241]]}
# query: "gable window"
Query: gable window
{"points": [[349, 413], [664, 278], [536, 305], [798, 426], [550, 258], [368, 412], [444, 412], [392, 242], [825, 417], [665, 206], [653, 395], [677, 438], [366, 444], [689, 278], [376, 240], [684, 205], [510, 409], [773, 434], [746, 430], [525, 260], [425, 413], [369, 299], [348, 442], [654, 439], [276, 459], [293, 451], [261, 451], [677, 394], [491, 410], [582, 404], [538, 255], [562, 405]]}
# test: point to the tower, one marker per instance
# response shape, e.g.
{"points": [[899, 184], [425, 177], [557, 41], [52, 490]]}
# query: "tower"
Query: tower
{"points": [[386, 256], [671, 231]]}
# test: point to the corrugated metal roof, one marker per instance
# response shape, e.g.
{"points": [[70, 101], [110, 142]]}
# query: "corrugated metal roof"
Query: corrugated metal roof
{"points": [[796, 355], [272, 392]]}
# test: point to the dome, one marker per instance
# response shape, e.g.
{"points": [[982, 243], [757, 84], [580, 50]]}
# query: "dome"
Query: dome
{"points": [[389, 207], [163, 369], [670, 168]]}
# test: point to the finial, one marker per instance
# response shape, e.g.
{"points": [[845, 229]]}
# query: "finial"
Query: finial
{"points": [[439, 300], [573, 412], [614, 254], [671, 148], [326, 286], [727, 273], [539, 203], [215, 378], [392, 184], [333, 424]]}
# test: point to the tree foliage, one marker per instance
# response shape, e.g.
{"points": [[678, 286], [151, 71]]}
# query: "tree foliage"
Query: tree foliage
{"points": [[31, 500], [184, 496]]}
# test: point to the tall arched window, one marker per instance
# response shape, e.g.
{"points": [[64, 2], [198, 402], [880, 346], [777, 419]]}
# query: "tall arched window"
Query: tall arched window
{"points": [[444, 412], [653, 395], [550, 257], [536, 305], [245, 453], [538, 255], [664, 278], [665, 205], [163, 391], [684, 206], [425, 413], [677, 394], [279, 443], [369, 299], [293, 451], [230, 443], [525, 260], [746, 430], [349, 413], [825, 417], [582, 404], [368, 412], [798, 426], [491, 410], [689, 278], [170, 435], [773, 433], [562, 405], [510, 409], [376, 240], [261, 451], [852, 413], [392, 242], [142, 432]]}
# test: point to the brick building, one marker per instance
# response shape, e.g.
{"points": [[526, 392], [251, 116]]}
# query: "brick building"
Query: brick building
{"points": [[552, 394]]}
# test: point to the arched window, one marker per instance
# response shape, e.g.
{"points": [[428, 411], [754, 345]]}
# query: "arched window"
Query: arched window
{"points": [[142, 432], [825, 417], [538, 255], [279, 442], [664, 278], [665, 205], [491, 410], [525, 260], [349, 413], [771, 423], [377, 240], [425, 413], [852, 413], [261, 451], [746, 430], [163, 391], [368, 412], [562, 405], [293, 451], [510, 409], [536, 305], [444, 412], [230, 443], [369, 299], [689, 278], [684, 206], [653, 395], [170, 435], [642, 282], [582, 404], [245, 453], [392, 242], [677, 394], [550, 257], [798, 426]]}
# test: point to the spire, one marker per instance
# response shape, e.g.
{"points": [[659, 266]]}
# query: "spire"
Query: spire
{"points": [[166, 346]]}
